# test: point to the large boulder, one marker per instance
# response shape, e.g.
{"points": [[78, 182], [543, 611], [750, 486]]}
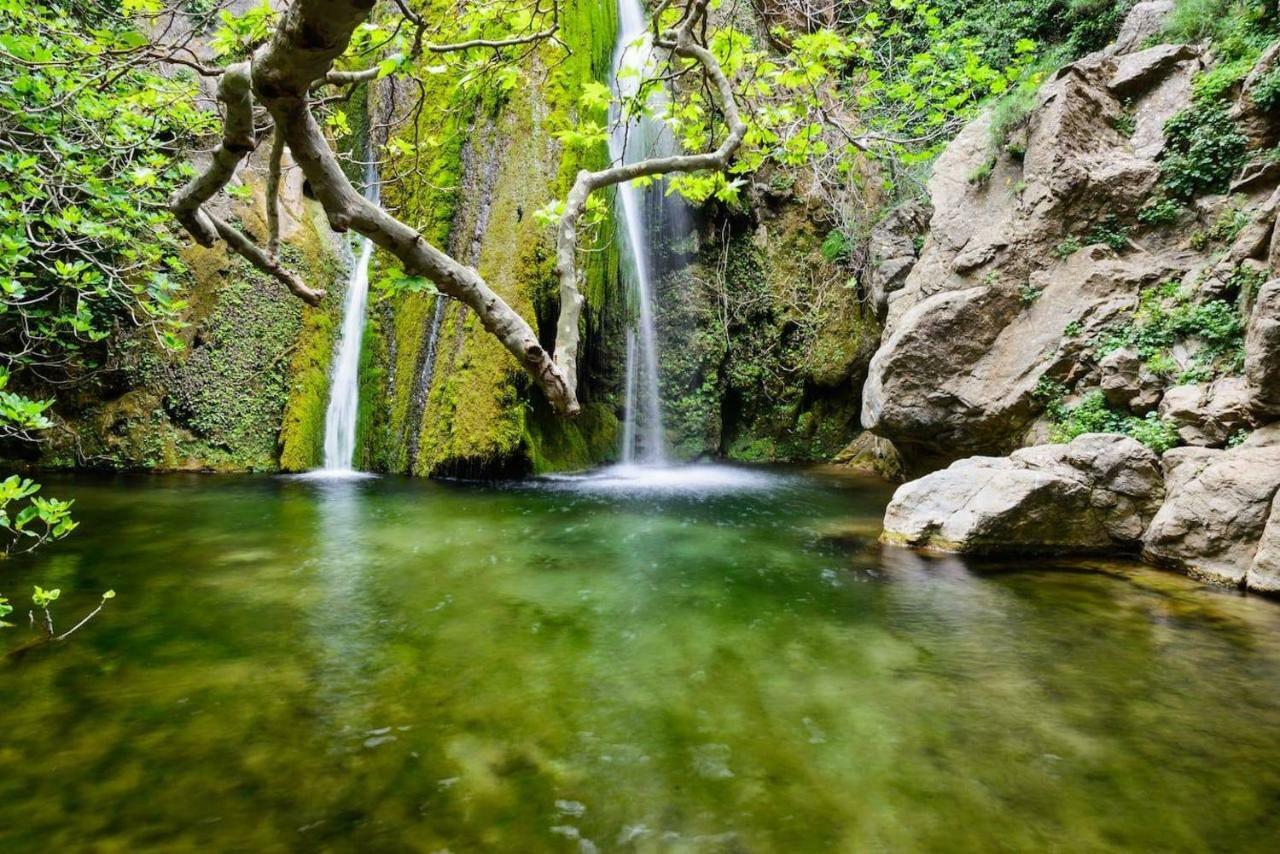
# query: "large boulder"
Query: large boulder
{"points": [[1262, 351], [997, 302], [1218, 507], [1143, 23], [1264, 573], [1096, 494], [1208, 414]]}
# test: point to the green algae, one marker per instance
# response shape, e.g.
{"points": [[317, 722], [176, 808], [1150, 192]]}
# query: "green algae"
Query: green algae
{"points": [[408, 665]]}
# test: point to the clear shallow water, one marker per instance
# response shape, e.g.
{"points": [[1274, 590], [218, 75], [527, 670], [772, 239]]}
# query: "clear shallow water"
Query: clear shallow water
{"points": [[403, 666]]}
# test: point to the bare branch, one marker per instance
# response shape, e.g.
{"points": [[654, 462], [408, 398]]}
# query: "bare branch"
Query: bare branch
{"points": [[273, 194], [311, 35], [682, 43], [251, 252], [238, 142]]}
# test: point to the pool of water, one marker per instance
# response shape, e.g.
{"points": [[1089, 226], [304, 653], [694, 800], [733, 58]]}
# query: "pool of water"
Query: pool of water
{"points": [[582, 664]]}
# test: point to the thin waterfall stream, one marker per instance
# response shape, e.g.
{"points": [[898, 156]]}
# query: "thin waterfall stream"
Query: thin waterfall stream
{"points": [[644, 439], [344, 395]]}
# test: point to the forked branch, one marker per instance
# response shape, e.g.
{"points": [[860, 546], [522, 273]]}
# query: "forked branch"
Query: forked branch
{"points": [[682, 42]]}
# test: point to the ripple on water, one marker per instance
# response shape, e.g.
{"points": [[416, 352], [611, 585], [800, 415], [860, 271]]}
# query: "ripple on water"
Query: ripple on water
{"points": [[648, 480]]}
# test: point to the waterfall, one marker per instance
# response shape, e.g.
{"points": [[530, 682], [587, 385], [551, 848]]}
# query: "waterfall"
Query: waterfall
{"points": [[643, 433], [344, 393]]}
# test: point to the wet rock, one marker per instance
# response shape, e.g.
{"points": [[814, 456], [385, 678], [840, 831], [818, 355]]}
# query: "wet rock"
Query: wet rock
{"points": [[1208, 414], [1219, 503], [1127, 383], [871, 454], [1096, 494], [1262, 352]]}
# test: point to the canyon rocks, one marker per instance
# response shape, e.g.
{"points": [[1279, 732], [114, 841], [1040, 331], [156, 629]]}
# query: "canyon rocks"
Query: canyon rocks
{"points": [[1218, 508], [1097, 493], [1035, 256], [1262, 351], [1000, 298]]}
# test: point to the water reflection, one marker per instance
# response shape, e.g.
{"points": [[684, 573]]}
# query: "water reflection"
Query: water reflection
{"points": [[395, 665]]}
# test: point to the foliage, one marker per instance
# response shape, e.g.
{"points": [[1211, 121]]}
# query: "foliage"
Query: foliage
{"points": [[90, 155], [1075, 26], [1110, 233], [1204, 149], [1094, 415], [1068, 247], [1266, 92], [1247, 281], [1235, 26], [1166, 316], [1160, 211]]}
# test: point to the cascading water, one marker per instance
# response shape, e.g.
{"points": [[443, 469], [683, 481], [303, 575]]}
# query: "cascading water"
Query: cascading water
{"points": [[643, 433], [344, 394]]}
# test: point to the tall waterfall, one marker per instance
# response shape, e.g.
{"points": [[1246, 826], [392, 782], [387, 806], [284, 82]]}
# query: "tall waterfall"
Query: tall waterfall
{"points": [[643, 433], [344, 393]]}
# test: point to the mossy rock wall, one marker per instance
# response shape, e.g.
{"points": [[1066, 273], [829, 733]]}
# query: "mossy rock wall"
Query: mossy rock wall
{"points": [[442, 396], [219, 403], [765, 343]]}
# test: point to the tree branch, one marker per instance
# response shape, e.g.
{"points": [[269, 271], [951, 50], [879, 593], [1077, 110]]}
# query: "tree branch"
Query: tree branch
{"points": [[682, 43], [310, 36], [238, 142], [273, 195], [247, 249]]}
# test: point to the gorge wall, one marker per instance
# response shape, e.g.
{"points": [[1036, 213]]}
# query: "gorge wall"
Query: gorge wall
{"points": [[1097, 295]]}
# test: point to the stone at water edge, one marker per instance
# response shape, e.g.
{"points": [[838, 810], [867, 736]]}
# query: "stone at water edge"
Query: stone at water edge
{"points": [[1219, 503], [1264, 574], [1096, 494], [1262, 351]]}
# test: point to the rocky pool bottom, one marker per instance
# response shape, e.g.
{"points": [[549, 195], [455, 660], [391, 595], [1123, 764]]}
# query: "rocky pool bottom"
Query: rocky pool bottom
{"points": [[578, 665]]}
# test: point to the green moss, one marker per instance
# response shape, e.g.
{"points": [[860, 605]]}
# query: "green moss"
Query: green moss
{"points": [[496, 163], [554, 444], [301, 444], [773, 344]]}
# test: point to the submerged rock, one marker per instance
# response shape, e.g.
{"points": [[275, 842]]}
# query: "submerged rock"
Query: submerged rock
{"points": [[1096, 494], [1219, 505]]}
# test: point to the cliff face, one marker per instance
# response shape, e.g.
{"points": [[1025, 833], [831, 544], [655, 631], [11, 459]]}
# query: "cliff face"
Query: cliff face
{"points": [[1096, 267], [766, 340], [219, 403], [1107, 272]]}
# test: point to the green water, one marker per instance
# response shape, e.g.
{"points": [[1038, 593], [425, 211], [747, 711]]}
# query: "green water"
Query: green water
{"points": [[390, 665]]}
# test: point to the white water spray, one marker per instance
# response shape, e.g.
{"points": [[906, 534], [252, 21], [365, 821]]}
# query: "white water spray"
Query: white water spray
{"points": [[643, 433], [344, 395]]}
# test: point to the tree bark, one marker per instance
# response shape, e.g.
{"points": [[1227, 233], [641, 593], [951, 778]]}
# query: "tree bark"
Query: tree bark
{"points": [[312, 34]]}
